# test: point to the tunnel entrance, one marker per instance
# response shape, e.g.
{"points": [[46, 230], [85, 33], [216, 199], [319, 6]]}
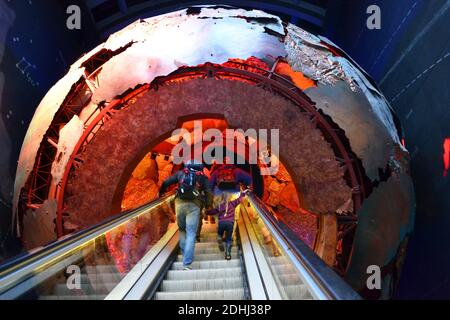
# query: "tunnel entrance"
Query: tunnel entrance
{"points": [[278, 191], [302, 145]]}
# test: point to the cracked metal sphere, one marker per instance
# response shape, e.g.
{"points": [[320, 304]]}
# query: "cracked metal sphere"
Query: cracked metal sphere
{"points": [[340, 143]]}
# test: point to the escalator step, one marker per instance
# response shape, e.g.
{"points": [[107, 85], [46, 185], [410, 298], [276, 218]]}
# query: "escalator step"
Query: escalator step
{"points": [[208, 256], [211, 244], [216, 264], [208, 230], [283, 269], [203, 274], [74, 297], [104, 269], [280, 260], [204, 244], [208, 237], [232, 294], [94, 289], [298, 292], [289, 279], [94, 278], [212, 249], [202, 284]]}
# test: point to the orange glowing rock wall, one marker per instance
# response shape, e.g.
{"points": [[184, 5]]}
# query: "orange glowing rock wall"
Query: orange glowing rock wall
{"points": [[281, 196]]}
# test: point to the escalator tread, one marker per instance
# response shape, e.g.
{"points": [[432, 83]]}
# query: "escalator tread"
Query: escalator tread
{"points": [[231, 294], [212, 277], [213, 264], [73, 297], [203, 273], [202, 284], [96, 282]]}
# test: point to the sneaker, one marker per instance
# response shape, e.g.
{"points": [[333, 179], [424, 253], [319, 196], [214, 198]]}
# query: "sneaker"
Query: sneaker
{"points": [[228, 252], [187, 267], [220, 243]]}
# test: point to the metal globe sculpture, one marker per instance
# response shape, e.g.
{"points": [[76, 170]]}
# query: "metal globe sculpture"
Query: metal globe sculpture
{"points": [[340, 142]]}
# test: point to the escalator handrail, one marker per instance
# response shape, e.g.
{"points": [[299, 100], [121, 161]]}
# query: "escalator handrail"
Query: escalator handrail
{"points": [[332, 286], [39, 257]]}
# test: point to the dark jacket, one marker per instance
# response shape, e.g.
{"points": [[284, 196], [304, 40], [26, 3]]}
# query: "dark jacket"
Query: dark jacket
{"points": [[240, 176], [204, 200], [221, 210]]}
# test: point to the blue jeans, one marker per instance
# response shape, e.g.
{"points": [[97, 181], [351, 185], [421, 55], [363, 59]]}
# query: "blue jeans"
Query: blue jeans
{"points": [[188, 214], [227, 227]]}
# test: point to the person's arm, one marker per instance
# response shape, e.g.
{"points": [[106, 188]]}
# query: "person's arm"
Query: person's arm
{"points": [[212, 212], [236, 201], [168, 182]]}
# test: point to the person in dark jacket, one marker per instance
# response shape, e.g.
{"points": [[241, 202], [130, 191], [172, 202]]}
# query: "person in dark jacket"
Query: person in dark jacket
{"points": [[225, 209], [193, 194], [237, 177]]}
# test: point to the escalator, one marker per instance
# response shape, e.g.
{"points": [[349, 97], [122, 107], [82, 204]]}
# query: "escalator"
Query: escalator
{"points": [[268, 263], [211, 276]]}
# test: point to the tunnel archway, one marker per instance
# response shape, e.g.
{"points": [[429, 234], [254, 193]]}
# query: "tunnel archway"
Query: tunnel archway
{"points": [[278, 190], [192, 89]]}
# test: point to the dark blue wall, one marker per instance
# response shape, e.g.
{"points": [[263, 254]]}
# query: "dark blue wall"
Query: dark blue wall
{"points": [[410, 59], [39, 44]]}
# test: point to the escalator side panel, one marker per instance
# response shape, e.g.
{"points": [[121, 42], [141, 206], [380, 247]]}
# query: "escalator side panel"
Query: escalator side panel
{"points": [[267, 278], [255, 284], [81, 265], [162, 247], [155, 272], [300, 273]]}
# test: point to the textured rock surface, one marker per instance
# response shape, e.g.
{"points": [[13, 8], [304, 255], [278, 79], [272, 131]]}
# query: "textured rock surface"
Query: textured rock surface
{"points": [[143, 185], [139, 192]]}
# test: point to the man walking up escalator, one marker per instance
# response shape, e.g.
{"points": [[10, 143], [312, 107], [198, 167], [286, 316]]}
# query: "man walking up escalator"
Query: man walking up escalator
{"points": [[193, 194]]}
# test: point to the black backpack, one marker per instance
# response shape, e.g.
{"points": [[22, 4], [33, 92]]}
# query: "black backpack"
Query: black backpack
{"points": [[225, 178], [189, 184]]}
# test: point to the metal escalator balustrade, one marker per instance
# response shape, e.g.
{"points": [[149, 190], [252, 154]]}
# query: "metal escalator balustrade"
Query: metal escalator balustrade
{"points": [[45, 273], [268, 263], [297, 271]]}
